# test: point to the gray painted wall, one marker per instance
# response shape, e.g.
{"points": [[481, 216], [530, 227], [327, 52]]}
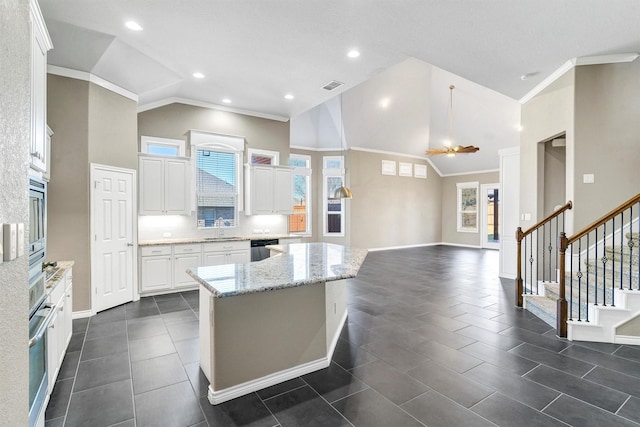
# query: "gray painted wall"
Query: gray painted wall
{"points": [[90, 124], [607, 135], [450, 233], [388, 211], [15, 129], [555, 177], [548, 114]]}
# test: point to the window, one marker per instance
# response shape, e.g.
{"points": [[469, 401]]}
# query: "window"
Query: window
{"points": [[263, 157], [217, 161], [333, 209], [162, 146], [300, 220], [467, 207]]}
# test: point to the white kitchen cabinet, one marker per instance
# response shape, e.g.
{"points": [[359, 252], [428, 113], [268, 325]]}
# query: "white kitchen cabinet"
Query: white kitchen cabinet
{"points": [[269, 190], [186, 257], [155, 269], [40, 44], [220, 253], [59, 333], [164, 185], [46, 175]]}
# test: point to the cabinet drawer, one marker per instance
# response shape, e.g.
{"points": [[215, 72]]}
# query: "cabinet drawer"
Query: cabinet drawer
{"points": [[226, 246], [187, 249], [155, 250]]}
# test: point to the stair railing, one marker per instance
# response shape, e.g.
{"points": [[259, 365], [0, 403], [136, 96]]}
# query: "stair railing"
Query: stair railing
{"points": [[584, 285], [543, 255]]}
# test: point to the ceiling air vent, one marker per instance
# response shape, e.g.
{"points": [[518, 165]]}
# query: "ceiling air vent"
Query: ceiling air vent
{"points": [[332, 85]]}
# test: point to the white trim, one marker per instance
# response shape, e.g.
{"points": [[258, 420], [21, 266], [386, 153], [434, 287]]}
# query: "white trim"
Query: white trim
{"points": [[459, 187], [229, 393], [38, 22], [178, 100], [571, 63], [180, 144], [316, 149], [390, 248], [92, 78], [82, 314], [471, 173], [510, 151], [626, 339], [135, 295], [201, 137], [308, 172]]}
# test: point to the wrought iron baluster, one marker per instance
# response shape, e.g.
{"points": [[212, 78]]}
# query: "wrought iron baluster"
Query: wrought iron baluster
{"points": [[544, 238], [557, 251], [595, 265], [630, 244], [570, 283], [579, 274], [587, 284], [604, 264], [621, 248], [551, 278], [531, 265], [537, 255], [613, 261]]}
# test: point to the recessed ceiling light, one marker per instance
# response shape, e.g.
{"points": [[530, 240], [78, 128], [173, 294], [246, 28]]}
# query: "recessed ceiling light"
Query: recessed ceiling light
{"points": [[133, 25], [384, 102], [289, 96], [353, 54], [226, 100], [198, 75]]}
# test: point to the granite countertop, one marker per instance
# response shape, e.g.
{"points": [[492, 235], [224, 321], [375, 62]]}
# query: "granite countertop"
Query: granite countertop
{"points": [[202, 239], [297, 264], [56, 274]]}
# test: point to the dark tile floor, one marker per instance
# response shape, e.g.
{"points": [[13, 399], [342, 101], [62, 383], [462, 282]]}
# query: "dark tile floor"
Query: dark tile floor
{"points": [[432, 338]]}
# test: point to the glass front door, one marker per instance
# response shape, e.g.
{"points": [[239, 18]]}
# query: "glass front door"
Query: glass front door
{"points": [[491, 216]]}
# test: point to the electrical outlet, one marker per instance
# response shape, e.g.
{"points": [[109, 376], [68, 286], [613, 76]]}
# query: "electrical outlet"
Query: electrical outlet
{"points": [[10, 232]]}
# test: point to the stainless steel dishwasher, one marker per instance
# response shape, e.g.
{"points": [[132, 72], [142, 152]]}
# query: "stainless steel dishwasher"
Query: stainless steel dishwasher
{"points": [[259, 250]]}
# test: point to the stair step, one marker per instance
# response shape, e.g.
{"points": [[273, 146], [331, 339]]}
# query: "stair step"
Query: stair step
{"points": [[628, 255], [542, 307]]}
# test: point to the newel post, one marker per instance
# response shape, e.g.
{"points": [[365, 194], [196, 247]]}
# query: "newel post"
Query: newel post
{"points": [[561, 304], [519, 290]]}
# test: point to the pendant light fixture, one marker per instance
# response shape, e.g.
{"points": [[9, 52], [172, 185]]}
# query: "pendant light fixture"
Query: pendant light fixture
{"points": [[343, 192]]}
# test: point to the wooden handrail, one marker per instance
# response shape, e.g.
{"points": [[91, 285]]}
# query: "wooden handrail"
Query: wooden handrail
{"points": [[520, 235], [597, 223], [565, 242], [548, 218]]}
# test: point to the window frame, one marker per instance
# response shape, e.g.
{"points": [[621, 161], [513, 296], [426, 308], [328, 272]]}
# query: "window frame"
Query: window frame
{"points": [[146, 141], [459, 211], [326, 174], [273, 155], [304, 171], [236, 148]]}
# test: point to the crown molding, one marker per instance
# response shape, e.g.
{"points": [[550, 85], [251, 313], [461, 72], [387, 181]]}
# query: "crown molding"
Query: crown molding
{"points": [[570, 64], [471, 173], [38, 22], [88, 77], [301, 147], [178, 100]]}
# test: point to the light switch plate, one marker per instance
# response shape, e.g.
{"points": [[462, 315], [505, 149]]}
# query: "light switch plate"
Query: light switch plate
{"points": [[9, 240], [588, 178], [20, 239]]}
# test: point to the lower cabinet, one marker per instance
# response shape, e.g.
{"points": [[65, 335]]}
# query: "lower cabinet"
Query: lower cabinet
{"points": [[59, 333], [163, 268]]}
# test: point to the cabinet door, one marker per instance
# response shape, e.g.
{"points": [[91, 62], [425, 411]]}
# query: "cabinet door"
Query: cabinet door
{"points": [[283, 191], [238, 257], [155, 273], [38, 100], [151, 186], [214, 258], [262, 190], [175, 187], [68, 311], [180, 265]]}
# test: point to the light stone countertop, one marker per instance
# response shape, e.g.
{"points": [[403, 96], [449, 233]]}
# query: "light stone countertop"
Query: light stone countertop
{"points": [[56, 277], [297, 264], [202, 239]]}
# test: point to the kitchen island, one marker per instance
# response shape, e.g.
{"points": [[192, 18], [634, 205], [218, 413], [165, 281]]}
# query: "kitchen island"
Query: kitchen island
{"points": [[266, 322]]}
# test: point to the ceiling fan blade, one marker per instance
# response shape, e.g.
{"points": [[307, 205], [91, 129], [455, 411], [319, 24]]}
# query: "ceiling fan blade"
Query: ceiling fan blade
{"points": [[467, 149], [436, 151]]}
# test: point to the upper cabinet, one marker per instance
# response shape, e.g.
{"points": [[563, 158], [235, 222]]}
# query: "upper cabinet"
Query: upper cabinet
{"points": [[40, 44], [269, 190], [164, 185]]}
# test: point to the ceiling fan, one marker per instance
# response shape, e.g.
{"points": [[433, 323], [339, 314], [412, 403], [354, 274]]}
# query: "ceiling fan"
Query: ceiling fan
{"points": [[448, 149]]}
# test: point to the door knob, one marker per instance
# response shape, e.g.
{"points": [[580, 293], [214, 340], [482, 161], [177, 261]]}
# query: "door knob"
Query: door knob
{"points": [[129, 244]]}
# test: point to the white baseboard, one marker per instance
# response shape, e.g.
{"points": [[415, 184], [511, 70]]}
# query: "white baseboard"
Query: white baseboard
{"points": [[627, 339], [460, 245], [221, 396], [82, 314]]}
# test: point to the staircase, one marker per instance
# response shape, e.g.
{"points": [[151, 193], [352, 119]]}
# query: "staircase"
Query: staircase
{"points": [[597, 309]]}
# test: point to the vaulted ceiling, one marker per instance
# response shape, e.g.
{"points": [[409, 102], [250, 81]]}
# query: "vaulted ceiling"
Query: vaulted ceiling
{"points": [[254, 52]]}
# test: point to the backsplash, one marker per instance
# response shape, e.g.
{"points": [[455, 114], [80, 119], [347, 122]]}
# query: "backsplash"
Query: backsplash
{"points": [[151, 227]]}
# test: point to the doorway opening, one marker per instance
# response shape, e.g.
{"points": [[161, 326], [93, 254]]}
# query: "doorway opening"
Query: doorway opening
{"points": [[490, 195]]}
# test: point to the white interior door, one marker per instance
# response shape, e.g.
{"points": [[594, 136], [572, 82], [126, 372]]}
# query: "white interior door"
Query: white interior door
{"points": [[490, 194], [113, 248]]}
